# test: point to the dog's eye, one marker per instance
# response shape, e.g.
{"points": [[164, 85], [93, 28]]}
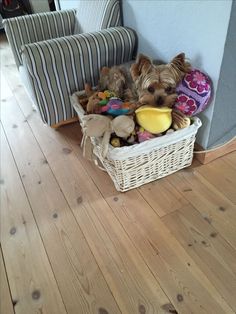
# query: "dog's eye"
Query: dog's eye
{"points": [[151, 89], [168, 89]]}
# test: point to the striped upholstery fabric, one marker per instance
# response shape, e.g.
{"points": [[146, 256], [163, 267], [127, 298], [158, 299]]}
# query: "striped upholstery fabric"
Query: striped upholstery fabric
{"points": [[94, 15], [59, 67], [37, 27]]}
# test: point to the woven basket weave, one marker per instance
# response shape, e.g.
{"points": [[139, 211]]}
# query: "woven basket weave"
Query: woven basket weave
{"points": [[132, 166]]}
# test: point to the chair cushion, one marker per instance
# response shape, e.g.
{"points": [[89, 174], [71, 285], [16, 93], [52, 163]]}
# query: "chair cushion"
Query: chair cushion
{"points": [[95, 15]]}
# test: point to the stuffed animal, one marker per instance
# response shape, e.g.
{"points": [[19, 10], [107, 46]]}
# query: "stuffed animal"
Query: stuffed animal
{"points": [[179, 120], [194, 93], [106, 102], [154, 120], [100, 126], [115, 142], [144, 135], [114, 107]]}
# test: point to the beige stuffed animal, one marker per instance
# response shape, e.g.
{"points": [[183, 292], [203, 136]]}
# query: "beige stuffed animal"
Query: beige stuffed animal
{"points": [[100, 126]]}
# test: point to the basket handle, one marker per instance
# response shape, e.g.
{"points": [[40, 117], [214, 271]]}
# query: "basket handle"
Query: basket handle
{"points": [[97, 161]]}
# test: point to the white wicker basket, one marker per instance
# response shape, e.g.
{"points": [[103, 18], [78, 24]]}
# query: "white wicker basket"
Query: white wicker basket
{"points": [[132, 166]]}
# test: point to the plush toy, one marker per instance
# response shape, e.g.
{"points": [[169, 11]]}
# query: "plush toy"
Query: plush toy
{"points": [[179, 120], [154, 120], [106, 102], [115, 142], [114, 107], [132, 139], [144, 135], [194, 93], [100, 126]]}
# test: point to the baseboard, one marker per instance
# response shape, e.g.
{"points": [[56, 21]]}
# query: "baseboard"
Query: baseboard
{"points": [[208, 156]]}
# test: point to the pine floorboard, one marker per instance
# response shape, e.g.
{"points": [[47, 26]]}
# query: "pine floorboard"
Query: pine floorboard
{"points": [[6, 305], [72, 244]]}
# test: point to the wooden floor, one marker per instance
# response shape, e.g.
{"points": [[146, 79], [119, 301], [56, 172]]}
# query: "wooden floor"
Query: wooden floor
{"points": [[70, 243]]}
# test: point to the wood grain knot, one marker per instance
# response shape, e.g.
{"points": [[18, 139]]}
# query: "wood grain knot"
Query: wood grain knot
{"points": [[142, 309], [66, 150], [55, 215], [13, 230], [190, 244], [169, 308], [213, 234], [39, 182], [222, 209], [209, 220], [79, 199], [101, 310], [180, 298], [36, 294], [23, 220], [115, 199], [154, 248], [187, 190]]}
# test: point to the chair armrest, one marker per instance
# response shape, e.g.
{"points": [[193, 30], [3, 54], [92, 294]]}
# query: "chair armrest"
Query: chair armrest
{"points": [[61, 66], [37, 27]]}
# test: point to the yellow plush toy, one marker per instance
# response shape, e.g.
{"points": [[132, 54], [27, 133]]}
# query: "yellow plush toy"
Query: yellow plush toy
{"points": [[154, 120]]}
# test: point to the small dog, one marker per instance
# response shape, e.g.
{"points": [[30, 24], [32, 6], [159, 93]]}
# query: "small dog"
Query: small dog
{"points": [[156, 84], [144, 84], [116, 79]]}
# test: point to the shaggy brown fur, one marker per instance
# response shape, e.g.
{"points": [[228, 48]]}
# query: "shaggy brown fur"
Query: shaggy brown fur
{"points": [[145, 83], [156, 84]]}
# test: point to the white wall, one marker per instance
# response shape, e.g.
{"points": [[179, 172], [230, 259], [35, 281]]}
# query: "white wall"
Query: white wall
{"points": [[66, 4], [198, 28], [39, 6]]}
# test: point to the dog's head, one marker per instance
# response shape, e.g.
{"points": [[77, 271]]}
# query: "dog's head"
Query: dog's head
{"points": [[156, 84], [113, 79]]}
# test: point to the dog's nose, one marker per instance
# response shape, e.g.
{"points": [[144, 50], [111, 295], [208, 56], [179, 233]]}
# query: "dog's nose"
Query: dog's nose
{"points": [[159, 101]]}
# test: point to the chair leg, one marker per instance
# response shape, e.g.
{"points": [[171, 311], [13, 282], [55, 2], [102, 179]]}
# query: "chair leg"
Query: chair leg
{"points": [[58, 125]]}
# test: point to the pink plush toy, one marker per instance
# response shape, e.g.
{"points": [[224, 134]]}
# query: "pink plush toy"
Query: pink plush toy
{"points": [[144, 135], [194, 92]]}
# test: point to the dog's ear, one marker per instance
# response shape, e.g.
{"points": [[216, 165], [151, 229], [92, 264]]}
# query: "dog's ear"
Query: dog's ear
{"points": [[179, 66], [88, 90], [104, 71], [142, 66], [104, 78]]}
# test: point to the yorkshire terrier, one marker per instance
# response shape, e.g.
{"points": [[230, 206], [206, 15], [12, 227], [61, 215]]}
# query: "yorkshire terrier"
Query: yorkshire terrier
{"points": [[116, 79], [155, 84], [144, 84]]}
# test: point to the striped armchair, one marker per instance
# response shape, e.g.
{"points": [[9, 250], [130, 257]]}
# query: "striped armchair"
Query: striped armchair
{"points": [[58, 52]]}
